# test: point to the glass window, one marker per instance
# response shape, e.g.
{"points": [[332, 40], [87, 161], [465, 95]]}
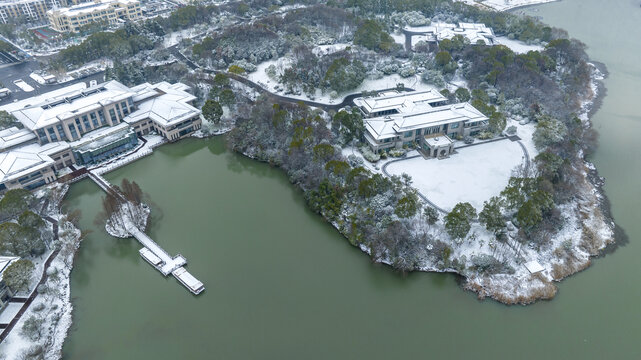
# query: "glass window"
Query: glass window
{"points": [[85, 121], [42, 136], [409, 133], [61, 132], [125, 110], [52, 134], [72, 130], [112, 115], [101, 116], [454, 126], [94, 120]]}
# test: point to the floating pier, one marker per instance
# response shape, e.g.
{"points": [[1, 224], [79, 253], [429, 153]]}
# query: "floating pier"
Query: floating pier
{"points": [[151, 251]]}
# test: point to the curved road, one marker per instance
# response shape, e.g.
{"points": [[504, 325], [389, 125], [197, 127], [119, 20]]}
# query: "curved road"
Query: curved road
{"points": [[277, 98]]}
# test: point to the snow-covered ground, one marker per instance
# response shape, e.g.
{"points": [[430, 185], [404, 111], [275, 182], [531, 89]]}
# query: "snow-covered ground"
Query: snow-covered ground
{"points": [[502, 5], [175, 37], [261, 78], [473, 174], [517, 46], [9, 312], [52, 304], [23, 85]]}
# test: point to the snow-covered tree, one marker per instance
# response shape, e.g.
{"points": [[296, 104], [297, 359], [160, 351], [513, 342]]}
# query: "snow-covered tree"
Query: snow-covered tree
{"points": [[18, 274]]}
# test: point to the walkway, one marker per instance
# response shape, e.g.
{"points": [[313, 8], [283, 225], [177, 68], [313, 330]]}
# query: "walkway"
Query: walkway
{"points": [[348, 100], [151, 251]]}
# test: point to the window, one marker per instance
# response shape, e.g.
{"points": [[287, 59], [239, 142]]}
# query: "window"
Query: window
{"points": [[408, 134], [78, 125], [85, 121], [52, 134], [94, 120], [61, 132], [113, 117], [125, 110], [42, 136], [417, 132], [454, 126], [101, 115]]}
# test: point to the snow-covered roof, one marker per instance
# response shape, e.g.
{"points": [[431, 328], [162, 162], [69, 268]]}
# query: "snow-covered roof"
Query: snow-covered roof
{"points": [[402, 102], [86, 8], [534, 267], [438, 141], [5, 261], [163, 103], [474, 32], [27, 159], [13, 137], [391, 126], [48, 109]]}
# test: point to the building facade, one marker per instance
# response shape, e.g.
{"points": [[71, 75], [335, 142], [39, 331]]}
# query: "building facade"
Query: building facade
{"points": [[72, 18], [27, 10], [419, 119], [80, 125]]}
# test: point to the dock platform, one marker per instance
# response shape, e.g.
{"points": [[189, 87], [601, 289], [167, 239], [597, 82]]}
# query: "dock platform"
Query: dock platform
{"points": [[151, 252]]}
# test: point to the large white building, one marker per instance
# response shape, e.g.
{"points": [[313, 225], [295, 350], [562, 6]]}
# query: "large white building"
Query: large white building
{"points": [[418, 118], [475, 33], [71, 19], [84, 125]]}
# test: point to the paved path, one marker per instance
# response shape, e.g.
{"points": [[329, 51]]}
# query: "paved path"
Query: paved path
{"points": [[31, 297], [348, 100]]}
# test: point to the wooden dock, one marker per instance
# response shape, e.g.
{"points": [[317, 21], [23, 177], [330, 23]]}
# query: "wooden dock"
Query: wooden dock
{"points": [[151, 252]]}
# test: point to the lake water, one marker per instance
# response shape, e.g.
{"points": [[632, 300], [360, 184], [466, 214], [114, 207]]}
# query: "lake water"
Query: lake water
{"points": [[282, 283]]}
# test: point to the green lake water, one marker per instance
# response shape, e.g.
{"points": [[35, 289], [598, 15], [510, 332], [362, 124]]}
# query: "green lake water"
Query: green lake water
{"points": [[283, 284]]}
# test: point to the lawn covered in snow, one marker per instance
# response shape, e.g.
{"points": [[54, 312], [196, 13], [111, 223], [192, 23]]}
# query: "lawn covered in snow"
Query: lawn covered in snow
{"points": [[473, 174]]}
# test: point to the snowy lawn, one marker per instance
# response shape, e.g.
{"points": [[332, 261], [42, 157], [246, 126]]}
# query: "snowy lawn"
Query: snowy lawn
{"points": [[10, 312], [473, 175]]}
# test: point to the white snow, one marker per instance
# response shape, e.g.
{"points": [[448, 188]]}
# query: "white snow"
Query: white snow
{"points": [[23, 85], [473, 174], [502, 5], [517, 46], [261, 78], [9, 312]]}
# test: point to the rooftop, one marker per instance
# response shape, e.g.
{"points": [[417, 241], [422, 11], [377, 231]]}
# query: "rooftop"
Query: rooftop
{"points": [[391, 126], [439, 31], [47, 109], [24, 160], [403, 102], [169, 106], [91, 7], [13, 137]]}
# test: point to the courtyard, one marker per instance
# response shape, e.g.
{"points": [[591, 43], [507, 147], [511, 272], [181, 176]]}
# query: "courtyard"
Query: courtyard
{"points": [[472, 174]]}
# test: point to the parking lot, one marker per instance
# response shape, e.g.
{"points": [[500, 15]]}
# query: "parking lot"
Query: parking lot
{"points": [[7, 58], [10, 74]]}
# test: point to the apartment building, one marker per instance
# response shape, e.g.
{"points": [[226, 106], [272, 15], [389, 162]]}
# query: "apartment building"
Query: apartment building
{"points": [[72, 18], [27, 10]]}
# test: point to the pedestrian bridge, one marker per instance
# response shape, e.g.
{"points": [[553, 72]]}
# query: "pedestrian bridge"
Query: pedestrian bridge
{"points": [[151, 251]]}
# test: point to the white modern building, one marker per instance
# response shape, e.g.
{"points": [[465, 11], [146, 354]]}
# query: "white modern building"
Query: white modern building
{"points": [[475, 33], [419, 118], [85, 125], [71, 19]]}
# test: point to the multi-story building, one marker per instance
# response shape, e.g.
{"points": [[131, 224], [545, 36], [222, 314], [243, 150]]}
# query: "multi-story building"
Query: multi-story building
{"points": [[419, 118], [27, 10], [71, 19], [80, 125]]}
